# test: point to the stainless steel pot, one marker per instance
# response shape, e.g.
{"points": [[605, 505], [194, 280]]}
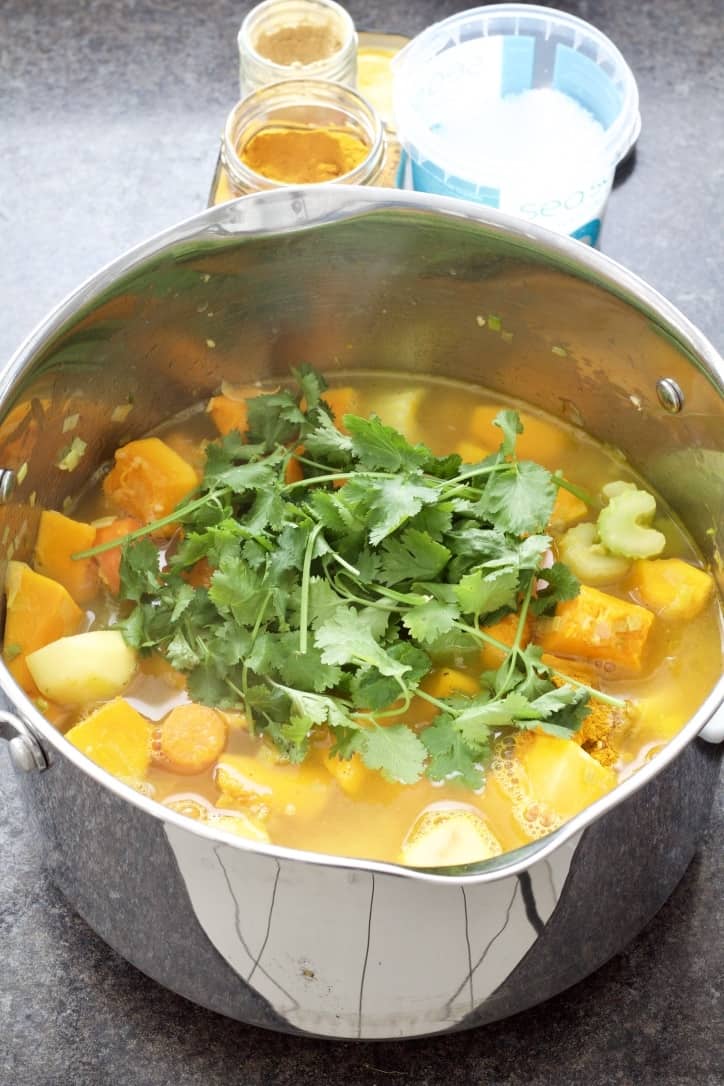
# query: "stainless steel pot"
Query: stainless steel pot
{"points": [[356, 278]]}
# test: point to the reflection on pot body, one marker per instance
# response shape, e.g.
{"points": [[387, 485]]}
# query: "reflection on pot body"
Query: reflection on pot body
{"points": [[358, 278], [382, 948]]}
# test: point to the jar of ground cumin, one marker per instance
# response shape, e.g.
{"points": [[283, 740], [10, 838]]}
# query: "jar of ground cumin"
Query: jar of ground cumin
{"points": [[296, 39], [299, 132]]}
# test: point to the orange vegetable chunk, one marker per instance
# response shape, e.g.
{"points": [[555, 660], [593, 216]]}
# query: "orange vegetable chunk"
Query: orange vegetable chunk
{"points": [[228, 414], [39, 610], [343, 402], [58, 538], [109, 562], [542, 441], [445, 681], [568, 510], [503, 631], [149, 480], [597, 626], [117, 738], [190, 739], [670, 587]]}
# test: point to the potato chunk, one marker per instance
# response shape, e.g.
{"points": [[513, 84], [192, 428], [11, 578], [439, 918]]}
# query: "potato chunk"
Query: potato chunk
{"points": [[58, 538], [260, 786], [87, 667], [117, 738], [671, 588], [448, 836], [39, 610], [597, 626], [548, 780], [190, 739], [561, 774], [149, 480]]}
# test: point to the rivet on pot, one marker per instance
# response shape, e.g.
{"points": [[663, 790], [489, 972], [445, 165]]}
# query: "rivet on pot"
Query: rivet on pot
{"points": [[670, 395], [8, 482]]}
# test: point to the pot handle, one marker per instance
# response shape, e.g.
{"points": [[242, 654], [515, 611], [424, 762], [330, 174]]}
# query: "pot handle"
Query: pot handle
{"points": [[26, 752], [713, 732]]}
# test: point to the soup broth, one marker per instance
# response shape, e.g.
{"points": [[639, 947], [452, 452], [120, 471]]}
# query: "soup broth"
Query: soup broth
{"points": [[222, 766]]}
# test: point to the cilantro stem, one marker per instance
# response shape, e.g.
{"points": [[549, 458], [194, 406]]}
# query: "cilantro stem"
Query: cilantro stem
{"points": [[434, 701], [576, 490], [245, 667], [334, 477], [147, 529], [306, 577], [338, 557], [515, 647], [598, 695]]}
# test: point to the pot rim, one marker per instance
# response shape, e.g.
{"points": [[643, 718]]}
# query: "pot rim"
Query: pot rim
{"points": [[308, 207]]}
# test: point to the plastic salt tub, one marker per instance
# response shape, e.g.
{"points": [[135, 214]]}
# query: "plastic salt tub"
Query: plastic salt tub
{"points": [[520, 107]]}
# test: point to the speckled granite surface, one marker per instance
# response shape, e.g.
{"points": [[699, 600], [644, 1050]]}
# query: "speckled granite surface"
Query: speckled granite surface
{"points": [[109, 117]]}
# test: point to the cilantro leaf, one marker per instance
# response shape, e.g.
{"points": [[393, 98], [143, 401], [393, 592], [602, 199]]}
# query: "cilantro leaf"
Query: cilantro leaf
{"points": [[414, 556], [381, 448], [509, 422], [311, 384], [374, 691], [480, 594], [395, 751], [344, 639], [273, 419], [429, 621], [393, 501], [139, 569], [521, 500], [449, 756], [560, 584], [325, 442]]}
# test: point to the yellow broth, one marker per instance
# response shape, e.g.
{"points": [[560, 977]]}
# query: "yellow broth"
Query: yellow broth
{"points": [[309, 806]]}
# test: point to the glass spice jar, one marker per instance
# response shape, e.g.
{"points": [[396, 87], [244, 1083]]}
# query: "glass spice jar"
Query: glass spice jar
{"points": [[296, 39], [299, 132]]}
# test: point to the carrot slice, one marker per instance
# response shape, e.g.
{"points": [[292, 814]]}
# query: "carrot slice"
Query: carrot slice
{"points": [[109, 562], [190, 739]]}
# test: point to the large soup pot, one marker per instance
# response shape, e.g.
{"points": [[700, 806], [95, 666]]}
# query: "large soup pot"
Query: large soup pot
{"points": [[351, 278]]}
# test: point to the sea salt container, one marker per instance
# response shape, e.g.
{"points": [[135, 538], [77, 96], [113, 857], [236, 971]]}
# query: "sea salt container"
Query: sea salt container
{"points": [[520, 107]]}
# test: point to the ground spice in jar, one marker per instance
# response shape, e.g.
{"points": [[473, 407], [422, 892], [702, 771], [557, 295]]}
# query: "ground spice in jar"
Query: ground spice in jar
{"points": [[304, 43], [300, 156]]}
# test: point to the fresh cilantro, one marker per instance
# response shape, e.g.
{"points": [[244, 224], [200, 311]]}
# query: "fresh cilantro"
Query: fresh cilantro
{"points": [[330, 597], [450, 757]]}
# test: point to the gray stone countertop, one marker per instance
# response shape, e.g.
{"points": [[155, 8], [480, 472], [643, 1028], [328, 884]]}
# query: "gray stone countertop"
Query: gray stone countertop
{"points": [[110, 114]]}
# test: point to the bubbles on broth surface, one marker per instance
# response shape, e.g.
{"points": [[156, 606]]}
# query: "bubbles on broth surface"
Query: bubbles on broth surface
{"points": [[535, 818]]}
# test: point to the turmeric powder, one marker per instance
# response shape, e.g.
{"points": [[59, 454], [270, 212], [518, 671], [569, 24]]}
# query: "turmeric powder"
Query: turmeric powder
{"points": [[299, 156]]}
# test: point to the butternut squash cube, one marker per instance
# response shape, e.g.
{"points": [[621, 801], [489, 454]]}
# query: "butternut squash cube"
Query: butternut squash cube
{"points": [[503, 631], [540, 440], [672, 588], [349, 773], [597, 626], [39, 610], [149, 480], [58, 538], [471, 452], [568, 510], [117, 738], [443, 682], [228, 414], [448, 836]]}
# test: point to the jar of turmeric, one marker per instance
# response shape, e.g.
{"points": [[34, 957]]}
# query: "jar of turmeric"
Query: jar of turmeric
{"points": [[299, 132], [296, 39]]}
